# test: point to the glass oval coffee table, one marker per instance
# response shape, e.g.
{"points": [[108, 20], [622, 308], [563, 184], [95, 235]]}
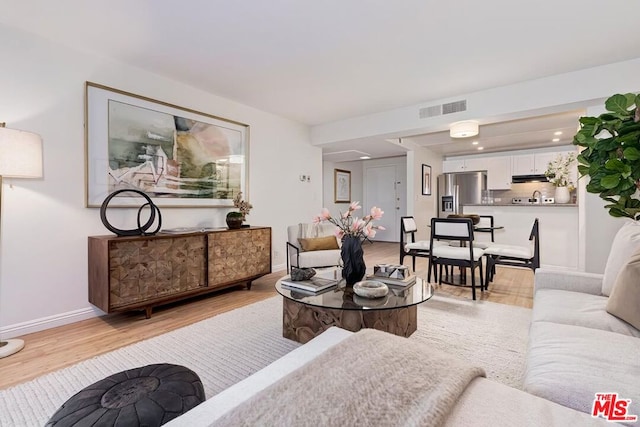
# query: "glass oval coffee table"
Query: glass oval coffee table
{"points": [[307, 315]]}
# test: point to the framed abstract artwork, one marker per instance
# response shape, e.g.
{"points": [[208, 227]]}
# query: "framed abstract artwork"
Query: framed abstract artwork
{"points": [[426, 180], [177, 156], [341, 186]]}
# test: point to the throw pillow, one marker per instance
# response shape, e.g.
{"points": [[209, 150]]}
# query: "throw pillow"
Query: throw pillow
{"points": [[319, 243], [625, 296], [626, 242]]}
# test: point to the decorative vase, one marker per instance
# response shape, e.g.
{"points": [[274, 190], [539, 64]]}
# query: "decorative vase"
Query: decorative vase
{"points": [[562, 195], [234, 223], [353, 267]]}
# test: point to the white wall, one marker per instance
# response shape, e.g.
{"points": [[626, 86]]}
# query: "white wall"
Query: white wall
{"points": [[43, 275], [597, 227], [328, 183], [581, 89], [358, 172], [551, 94], [421, 207]]}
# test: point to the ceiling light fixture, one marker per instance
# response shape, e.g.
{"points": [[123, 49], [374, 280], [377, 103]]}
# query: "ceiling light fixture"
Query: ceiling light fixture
{"points": [[480, 148], [558, 133], [464, 129], [475, 142], [365, 157], [555, 140]]}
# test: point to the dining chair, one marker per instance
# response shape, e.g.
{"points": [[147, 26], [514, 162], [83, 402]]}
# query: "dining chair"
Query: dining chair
{"points": [[465, 255], [408, 244], [513, 255], [485, 225]]}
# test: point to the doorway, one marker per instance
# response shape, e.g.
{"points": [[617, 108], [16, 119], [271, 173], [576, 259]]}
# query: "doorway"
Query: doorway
{"points": [[385, 187]]}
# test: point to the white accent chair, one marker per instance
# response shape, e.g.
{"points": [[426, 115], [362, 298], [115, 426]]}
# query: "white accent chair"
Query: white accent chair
{"points": [[465, 255], [517, 256], [297, 257]]}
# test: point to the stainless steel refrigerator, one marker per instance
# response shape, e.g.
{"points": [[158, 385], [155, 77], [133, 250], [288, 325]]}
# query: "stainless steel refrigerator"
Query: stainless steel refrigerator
{"points": [[458, 189]]}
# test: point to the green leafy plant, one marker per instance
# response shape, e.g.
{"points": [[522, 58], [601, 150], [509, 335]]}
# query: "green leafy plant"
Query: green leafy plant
{"points": [[611, 155]]}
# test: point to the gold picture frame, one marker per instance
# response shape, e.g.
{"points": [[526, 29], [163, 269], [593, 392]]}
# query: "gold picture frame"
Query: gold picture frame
{"points": [[341, 186], [178, 156]]}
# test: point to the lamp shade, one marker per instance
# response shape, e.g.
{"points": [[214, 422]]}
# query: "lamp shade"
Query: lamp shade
{"points": [[20, 154], [464, 129]]}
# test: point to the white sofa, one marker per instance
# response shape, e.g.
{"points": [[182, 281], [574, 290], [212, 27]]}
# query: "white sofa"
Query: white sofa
{"points": [[576, 348], [483, 403]]}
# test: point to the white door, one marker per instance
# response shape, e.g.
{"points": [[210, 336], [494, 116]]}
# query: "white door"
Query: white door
{"points": [[382, 190]]}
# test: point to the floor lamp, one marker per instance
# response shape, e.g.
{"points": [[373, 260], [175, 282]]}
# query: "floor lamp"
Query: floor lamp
{"points": [[20, 157]]}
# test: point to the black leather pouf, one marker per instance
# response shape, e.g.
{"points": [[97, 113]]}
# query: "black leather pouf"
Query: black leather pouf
{"points": [[148, 396]]}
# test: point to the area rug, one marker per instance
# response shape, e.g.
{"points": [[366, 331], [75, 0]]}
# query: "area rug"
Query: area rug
{"points": [[231, 346]]}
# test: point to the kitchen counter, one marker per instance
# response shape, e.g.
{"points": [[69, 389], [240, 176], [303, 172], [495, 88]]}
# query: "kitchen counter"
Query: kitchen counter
{"points": [[558, 229], [532, 205]]}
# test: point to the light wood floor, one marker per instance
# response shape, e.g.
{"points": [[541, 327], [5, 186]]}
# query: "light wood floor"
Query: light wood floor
{"points": [[59, 347]]}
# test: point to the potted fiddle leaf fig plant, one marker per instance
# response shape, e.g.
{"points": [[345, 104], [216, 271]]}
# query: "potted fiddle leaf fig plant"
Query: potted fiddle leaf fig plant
{"points": [[611, 155]]}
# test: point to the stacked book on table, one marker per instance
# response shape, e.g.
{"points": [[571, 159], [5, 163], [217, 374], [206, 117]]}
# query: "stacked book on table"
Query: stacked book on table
{"points": [[314, 285], [395, 275]]}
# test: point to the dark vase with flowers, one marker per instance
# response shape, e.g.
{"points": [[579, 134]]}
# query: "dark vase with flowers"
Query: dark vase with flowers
{"points": [[353, 268], [234, 220]]}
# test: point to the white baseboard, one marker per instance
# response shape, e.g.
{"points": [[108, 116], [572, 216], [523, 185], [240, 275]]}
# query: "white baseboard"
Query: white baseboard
{"points": [[19, 329], [49, 322], [558, 267], [278, 267]]}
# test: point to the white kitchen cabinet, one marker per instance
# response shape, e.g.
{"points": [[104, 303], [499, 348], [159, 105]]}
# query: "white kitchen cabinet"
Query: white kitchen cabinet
{"points": [[532, 164], [542, 161], [498, 172], [466, 165], [453, 166], [472, 165], [523, 164]]}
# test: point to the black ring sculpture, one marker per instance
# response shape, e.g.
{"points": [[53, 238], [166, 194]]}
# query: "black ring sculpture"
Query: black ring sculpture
{"points": [[142, 229]]}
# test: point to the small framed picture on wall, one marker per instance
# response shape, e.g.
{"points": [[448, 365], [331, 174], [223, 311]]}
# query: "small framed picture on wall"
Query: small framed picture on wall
{"points": [[426, 180], [342, 186]]}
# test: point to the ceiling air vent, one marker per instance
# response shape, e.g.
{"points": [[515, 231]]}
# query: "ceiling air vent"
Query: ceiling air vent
{"points": [[454, 107], [432, 111]]}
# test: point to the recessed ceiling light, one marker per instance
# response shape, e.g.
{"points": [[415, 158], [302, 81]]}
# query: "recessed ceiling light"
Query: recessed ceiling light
{"points": [[475, 142], [558, 133], [480, 148], [364, 157], [555, 139]]}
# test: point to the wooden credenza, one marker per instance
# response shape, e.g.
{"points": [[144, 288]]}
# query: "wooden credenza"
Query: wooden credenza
{"points": [[141, 272]]}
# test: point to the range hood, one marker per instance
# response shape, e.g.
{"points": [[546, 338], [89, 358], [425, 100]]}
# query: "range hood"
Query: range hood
{"points": [[520, 179]]}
